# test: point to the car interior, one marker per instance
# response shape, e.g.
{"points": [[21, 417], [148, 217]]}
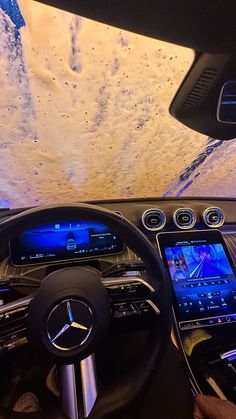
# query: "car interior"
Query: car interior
{"points": [[126, 307]]}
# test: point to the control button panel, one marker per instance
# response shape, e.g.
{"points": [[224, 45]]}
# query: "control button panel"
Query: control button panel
{"points": [[121, 310], [13, 328], [13, 341], [134, 308], [205, 283], [131, 299], [128, 289], [207, 302], [12, 315], [212, 321]]}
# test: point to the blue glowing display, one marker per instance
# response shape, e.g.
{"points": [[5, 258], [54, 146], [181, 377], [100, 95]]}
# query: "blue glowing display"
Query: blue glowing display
{"points": [[197, 262], [227, 106], [203, 278], [64, 240]]}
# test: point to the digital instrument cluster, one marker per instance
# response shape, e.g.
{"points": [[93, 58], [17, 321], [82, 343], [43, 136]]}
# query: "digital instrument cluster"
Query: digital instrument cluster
{"points": [[64, 240]]}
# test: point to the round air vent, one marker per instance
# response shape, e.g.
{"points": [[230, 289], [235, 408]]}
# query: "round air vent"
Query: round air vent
{"points": [[153, 219], [213, 217], [184, 218]]}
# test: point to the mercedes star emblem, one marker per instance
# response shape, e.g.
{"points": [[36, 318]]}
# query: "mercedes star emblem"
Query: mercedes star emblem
{"points": [[69, 324]]}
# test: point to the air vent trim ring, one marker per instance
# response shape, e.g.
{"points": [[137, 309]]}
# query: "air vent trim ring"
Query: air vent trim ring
{"points": [[205, 217], [186, 210], [150, 210]]}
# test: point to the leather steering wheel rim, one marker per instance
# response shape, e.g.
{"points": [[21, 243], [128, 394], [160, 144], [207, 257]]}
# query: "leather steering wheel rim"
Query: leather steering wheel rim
{"points": [[115, 398]]}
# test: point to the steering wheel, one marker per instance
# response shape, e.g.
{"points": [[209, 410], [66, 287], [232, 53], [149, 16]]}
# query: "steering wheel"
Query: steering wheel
{"points": [[70, 313]]}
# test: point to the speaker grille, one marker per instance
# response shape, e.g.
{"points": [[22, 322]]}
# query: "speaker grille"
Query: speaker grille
{"points": [[201, 88]]}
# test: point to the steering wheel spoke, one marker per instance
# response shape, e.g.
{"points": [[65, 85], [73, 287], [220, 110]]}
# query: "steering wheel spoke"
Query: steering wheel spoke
{"points": [[69, 391], [89, 383], [75, 404]]}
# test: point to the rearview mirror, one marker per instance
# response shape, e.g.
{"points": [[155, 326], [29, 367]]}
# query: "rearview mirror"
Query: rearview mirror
{"points": [[200, 102], [226, 111]]}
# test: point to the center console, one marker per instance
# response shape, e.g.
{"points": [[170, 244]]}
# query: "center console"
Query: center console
{"points": [[203, 282]]}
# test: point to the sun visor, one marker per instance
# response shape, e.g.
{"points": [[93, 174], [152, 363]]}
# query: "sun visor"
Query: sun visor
{"points": [[206, 99]]}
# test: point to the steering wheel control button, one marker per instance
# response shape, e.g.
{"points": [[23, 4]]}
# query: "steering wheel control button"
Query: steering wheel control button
{"points": [[13, 340], [13, 315], [124, 310], [184, 218], [129, 290], [214, 217], [153, 219], [134, 308], [69, 324], [13, 328], [144, 307]]}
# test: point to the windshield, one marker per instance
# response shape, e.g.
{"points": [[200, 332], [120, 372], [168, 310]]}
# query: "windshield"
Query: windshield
{"points": [[84, 114]]}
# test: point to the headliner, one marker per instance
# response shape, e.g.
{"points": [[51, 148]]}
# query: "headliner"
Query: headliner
{"points": [[204, 25]]}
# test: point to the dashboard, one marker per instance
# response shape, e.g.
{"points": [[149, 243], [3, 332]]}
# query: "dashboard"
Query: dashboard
{"points": [[202, 268], [44, 248], [77, 240]]}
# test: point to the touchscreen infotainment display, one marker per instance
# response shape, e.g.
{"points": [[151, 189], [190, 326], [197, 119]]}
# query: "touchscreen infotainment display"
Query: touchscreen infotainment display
{"points": [[202, 276], [62, 241]]}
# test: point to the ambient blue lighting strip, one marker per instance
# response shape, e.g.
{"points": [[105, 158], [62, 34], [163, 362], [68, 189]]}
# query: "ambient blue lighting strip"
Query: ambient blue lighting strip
{"points": [[233, 102]]}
